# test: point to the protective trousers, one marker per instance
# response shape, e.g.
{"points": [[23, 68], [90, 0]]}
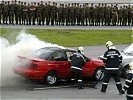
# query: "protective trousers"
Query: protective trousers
{"points": [[129, 98], [106, 79], [77, 74]]}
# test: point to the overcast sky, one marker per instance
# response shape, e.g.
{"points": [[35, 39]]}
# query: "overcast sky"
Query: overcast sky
{"points": [[81, 1]]}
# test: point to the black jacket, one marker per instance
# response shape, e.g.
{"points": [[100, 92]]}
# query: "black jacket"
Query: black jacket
{"points": [[78, 60], [112, 58], [129, 84]]}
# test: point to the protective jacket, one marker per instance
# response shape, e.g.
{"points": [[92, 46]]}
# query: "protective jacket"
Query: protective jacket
{"points": [[112, 58], [78, 60], [129, 84]]}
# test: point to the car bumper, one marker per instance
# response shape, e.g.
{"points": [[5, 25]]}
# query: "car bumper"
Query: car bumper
{"points": [[29, 73]]}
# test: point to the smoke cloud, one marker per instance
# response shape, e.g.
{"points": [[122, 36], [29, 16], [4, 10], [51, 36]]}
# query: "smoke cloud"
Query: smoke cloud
{"points": [[25, 44]]}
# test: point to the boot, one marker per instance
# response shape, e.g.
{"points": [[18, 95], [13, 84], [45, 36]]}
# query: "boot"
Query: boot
{"points": [[72, 81], [80, 85]]}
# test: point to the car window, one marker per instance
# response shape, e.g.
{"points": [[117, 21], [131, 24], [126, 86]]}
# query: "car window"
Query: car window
{"points": [[69, 54], [42, 53], [58, 56], [129, 50]]}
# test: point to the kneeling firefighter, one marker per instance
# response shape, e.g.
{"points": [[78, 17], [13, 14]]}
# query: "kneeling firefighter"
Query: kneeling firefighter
{"points": [[129, 83], [78, 60]]}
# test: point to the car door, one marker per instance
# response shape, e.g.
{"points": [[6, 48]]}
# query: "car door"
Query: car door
{"points": [[87, 68], [61, 63]]}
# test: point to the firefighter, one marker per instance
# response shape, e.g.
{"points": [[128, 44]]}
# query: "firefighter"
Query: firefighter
{"points": [[112, 58], [78, 60], [129, 83]]}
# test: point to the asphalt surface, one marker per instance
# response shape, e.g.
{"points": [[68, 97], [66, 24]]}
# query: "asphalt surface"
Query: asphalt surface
{"points": [[14, 87], [68, 27]]}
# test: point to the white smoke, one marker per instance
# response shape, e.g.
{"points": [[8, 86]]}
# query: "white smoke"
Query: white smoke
{"points": [[26, 43]]}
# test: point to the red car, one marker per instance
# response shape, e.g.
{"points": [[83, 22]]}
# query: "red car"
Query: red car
{"points": [[52, 63]]}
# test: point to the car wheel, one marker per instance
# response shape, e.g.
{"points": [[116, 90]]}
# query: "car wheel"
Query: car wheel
{"points": [[51, 78], [99, 74]]}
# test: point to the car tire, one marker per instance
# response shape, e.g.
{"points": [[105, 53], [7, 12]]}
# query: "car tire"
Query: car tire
{"points": [[50, 78], [99, 74]]}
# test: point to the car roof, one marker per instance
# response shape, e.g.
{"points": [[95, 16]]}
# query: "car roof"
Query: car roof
{"points": [[127, 48], [59, 48]]}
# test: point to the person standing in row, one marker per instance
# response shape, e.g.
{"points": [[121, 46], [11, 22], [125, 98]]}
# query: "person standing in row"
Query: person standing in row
{"points": [[11, 12], [5, 13], [25, 14]]}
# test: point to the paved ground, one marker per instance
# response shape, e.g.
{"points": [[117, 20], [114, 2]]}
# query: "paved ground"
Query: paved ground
{"points": [[69, 27], [14, 86]]}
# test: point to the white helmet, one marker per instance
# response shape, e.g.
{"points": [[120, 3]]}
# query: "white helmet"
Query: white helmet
{"points": [[109, 43], [131, 65], [81, 49]]}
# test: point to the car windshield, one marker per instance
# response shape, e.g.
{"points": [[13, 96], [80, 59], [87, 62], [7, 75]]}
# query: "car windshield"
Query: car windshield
{"points": [[129, 49], [43, 53]]}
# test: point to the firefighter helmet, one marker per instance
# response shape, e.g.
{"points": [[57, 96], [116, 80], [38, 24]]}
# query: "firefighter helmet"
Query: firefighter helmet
{"points": [[109, 43], [81, 49], [131, 65]]}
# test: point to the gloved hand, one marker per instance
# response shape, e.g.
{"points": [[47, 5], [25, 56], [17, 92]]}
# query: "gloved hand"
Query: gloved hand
{"points": [[123, 91]]}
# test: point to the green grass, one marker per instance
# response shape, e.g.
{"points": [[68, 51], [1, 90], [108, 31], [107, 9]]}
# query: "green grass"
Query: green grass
{"points": [[74, 37]]}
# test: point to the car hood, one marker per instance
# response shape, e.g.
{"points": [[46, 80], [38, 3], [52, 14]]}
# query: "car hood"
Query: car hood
{"points": [[97, 60], [125, 56]]}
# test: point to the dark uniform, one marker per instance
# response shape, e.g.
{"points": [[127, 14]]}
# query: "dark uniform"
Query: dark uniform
{"points": [[87, 14], [32, 14], [5, 13], [78, 60], [39, 15], [129, 15], [72, 14], [125, 15], [108, 16], [129, 85], [98, 14], [95, 15], [65, 15], [132, 16], [112, 59], [15, 12], [114, 16], [25, 14], [82, 14], [101, 11], [120, 14], [77, 13], [69, 14], [59, 14], [56, 18], [11, 13], [19, 13], [46, 14], [53, 13], [49, 13], [91, 15], [1, 10]]}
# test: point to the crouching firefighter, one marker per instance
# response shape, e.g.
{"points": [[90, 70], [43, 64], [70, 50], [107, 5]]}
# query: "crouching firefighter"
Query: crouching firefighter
{"points": [[129, 83], [112, 59], [78, 60]]}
